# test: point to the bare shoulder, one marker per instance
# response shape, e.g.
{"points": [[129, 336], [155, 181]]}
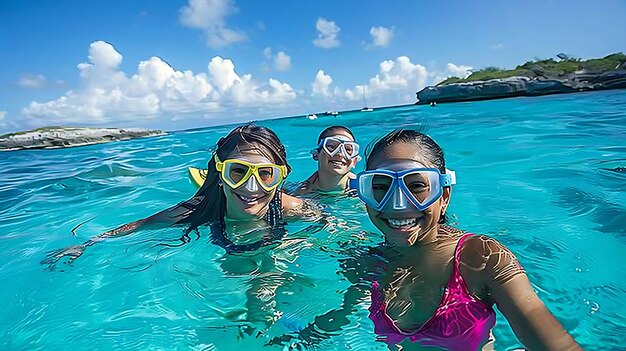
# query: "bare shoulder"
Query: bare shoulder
{"points": [[290, 202], [351, 175], [479, 250], [487, 261], [303, 209]]}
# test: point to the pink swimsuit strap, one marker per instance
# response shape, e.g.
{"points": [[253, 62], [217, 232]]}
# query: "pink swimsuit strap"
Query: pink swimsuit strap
{"points": [[460, 322]]}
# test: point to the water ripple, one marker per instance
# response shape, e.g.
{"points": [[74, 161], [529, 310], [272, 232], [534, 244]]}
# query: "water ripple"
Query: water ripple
{"points": [[542, 175]]}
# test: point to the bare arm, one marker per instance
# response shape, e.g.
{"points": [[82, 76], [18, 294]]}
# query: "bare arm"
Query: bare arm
{"points": [[531, 321], [508, 286], [290, 202], [170, 216], [301, 209]]}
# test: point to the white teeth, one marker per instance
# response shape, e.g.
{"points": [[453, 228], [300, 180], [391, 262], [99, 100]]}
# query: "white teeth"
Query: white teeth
{"points": [[401, 223], [247, 199]]}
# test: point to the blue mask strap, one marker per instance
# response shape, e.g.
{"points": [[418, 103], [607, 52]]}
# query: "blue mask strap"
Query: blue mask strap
{"points": [[449, 178], [353, 184]]}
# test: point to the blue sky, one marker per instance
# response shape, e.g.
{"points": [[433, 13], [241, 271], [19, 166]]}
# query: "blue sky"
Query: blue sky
{"points": [[192, 63]]}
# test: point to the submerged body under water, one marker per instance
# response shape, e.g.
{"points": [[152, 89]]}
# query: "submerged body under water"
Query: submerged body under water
{"points": [[542, 175]]}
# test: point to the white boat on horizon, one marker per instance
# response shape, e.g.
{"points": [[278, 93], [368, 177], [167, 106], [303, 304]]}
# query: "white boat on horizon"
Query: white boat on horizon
{"points": [[311, 116], [365, 108], [331, 113]]}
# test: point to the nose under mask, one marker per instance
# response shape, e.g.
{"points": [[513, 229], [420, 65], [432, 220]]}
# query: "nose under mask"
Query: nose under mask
{"points": [[399, 200], [252, 185]]}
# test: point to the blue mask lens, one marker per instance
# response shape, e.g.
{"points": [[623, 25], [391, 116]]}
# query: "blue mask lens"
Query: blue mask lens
{"points": [[419, 187]]}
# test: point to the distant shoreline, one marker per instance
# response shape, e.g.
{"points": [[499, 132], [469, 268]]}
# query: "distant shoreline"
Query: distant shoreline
{"points": [[533, 78], [520, 86], [63, 137]]}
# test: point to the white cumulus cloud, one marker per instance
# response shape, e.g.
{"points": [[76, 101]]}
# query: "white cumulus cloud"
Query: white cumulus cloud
{"points": [[103, 65], [32, 81], [327, 34], [156, 90], [321, 83], [224, 73], [399, 76], [103, 55], [282, 61], [460, 71], [452, 70], [210, 17], [4, 123], [381, 36], [396, 82]]}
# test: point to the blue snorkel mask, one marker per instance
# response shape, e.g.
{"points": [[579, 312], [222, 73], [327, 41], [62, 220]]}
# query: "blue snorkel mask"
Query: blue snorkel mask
{"points": [[419, 187]]}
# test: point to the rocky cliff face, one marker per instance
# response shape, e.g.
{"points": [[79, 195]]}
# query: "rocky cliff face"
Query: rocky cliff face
{"points": [[67, 137], [522, 86]]}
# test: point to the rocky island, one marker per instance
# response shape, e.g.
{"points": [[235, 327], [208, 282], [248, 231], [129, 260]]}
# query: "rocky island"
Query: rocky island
{"points": [[533, 78], [58, 137]]}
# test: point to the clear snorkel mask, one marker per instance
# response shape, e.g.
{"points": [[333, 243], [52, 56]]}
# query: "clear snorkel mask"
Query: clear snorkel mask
{"points": [[339, 144], [419, 187]]}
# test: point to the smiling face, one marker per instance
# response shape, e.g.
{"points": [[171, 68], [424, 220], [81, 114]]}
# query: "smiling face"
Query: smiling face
{"points": [[338, 164], [248, 200], [405, 227]]}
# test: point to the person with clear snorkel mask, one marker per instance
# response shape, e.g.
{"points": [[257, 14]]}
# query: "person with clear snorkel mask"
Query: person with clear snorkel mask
{"points": [[337, 153]]}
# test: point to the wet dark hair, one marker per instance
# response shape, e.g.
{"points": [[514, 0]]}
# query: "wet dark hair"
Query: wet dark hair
{"points": [[427, 146], [212, 208], [331, 130]]}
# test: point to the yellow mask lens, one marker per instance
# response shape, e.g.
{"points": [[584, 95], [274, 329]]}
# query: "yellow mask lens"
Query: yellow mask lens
{"points": [[235, 173]]}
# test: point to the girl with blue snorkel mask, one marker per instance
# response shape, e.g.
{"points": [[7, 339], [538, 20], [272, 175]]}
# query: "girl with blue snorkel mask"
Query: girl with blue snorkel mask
{"points": [[336, 154], [431, 285]]}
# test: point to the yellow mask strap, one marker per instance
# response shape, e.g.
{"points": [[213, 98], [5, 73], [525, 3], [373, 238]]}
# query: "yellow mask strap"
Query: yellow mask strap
{"points": [[219, 165]]}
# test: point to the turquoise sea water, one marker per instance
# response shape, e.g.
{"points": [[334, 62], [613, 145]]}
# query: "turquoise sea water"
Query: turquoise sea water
{"points": [[538, 174]]}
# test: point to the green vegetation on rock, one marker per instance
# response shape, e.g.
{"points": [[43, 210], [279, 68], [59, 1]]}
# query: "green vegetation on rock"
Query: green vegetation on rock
{"points": [[548, 68]]}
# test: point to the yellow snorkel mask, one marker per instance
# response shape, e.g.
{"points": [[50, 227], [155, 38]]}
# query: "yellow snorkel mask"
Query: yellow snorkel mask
{"points": [[235, 173]]}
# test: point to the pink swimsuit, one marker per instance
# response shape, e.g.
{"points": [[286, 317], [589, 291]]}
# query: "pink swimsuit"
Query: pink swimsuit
{"points": [[461, 322]]}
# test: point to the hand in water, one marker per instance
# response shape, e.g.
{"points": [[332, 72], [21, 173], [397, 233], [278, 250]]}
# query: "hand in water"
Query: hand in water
{"points": [[289, 343], [72, 252], [295, 345], [75, 251]]}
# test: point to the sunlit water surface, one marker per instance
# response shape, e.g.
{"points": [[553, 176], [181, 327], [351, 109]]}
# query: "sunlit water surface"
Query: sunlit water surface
{"points": [[541, 175]]}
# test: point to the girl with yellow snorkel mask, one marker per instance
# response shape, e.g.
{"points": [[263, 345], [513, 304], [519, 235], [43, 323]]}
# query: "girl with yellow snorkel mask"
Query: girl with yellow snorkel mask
{"points": [[242, 202], [242, 188]]}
